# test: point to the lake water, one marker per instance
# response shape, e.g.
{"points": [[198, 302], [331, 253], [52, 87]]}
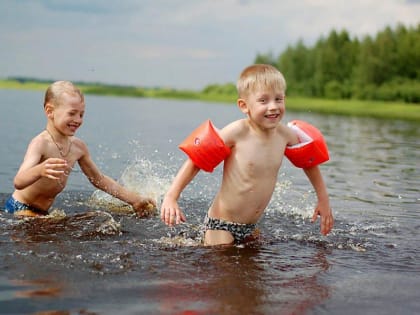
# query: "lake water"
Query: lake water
{"points": [[93, 257]]}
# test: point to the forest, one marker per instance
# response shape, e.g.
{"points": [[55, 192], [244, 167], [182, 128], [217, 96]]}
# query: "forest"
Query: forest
{"points": [[384, 67]]}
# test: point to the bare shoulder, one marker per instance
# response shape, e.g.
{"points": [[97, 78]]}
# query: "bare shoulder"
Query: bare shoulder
{"points": [[283, 128], [79, 147], [235, 125], [39, 142], [78, 142], [233, 131], [286, 132]]}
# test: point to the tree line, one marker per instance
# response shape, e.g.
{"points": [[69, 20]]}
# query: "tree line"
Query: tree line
{"points": [[382, 67]]}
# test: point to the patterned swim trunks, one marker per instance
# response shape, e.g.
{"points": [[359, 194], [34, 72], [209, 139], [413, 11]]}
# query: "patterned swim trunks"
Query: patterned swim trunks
{"points": [[239, 231], [14, 206]]}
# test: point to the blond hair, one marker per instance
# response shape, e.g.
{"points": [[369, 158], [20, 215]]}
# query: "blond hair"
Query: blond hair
{"points": [[260, 76], [57, 89]]}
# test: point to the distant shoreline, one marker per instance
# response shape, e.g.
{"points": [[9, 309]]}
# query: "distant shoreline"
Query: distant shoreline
{"points": [[357, 108]]}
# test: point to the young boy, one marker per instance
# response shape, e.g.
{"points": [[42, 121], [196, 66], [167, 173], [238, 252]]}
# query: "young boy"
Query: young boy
{"points": [[51, 155], [257, 144]]}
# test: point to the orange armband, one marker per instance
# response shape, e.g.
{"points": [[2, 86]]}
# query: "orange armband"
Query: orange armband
{"points": [[205, 147], [311, 150]]}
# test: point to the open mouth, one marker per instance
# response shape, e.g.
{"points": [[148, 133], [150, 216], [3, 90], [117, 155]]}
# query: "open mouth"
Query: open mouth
{"points": [[73, 127]]}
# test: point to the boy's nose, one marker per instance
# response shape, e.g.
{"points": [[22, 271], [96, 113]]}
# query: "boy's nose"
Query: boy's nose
{"points": [[273, 105]]}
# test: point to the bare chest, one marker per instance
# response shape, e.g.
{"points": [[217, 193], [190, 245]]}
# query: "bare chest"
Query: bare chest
{"points": [[260, 160]]}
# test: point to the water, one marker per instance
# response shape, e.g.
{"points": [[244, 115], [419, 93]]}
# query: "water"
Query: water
{"points": [[93, 256]]}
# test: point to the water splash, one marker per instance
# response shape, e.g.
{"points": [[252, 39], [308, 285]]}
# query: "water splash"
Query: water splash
{"points": [[57, 213], [109, 227], [185, 234], [145, 177], [291, 202]]}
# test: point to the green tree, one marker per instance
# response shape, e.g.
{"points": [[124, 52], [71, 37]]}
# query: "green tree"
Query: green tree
{"points": [[385, 66], [297, 67], [268, 59]]}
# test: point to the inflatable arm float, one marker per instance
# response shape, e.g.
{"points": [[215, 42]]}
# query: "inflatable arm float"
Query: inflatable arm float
{"points": [[205, 147], [311, 150]]}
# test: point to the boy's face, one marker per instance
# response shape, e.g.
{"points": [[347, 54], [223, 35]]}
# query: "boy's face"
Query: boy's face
{"points": [[265, 107], [68, 114]]}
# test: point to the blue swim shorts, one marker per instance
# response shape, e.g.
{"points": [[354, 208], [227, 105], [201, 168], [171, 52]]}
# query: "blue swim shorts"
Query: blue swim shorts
{"points": [[12, 205], [239, 231]]}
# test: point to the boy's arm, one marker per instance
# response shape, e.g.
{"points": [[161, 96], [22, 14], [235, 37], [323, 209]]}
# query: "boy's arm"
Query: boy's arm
{"points": [[170, 212], [32, 170], [323, 207], [110, 186]]}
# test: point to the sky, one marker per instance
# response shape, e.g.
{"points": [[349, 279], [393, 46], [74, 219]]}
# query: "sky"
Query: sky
{"points": [[181, 44]]}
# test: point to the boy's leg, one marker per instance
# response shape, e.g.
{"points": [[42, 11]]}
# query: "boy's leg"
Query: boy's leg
{"points": [[217, 237]]}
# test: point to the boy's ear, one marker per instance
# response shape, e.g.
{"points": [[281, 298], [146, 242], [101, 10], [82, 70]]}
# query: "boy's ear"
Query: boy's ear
{"points": [[242, 106], [49, 109]]}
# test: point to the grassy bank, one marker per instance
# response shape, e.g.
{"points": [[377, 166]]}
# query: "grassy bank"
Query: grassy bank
{"points": [[385, 110], [375, 109]]}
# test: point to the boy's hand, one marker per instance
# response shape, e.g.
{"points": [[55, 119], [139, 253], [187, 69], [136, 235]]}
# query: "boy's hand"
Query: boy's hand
{"points": [[144, 207], [327, 220], [170, 213], [54, 168]]}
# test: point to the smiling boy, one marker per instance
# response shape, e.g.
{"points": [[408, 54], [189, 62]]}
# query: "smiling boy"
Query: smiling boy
{"points": [[257, 144], [51, 155]]}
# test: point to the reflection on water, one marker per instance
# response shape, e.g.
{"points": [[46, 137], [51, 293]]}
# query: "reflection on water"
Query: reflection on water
{"points": [[37, 288], [93, 255], [246, 281]]}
